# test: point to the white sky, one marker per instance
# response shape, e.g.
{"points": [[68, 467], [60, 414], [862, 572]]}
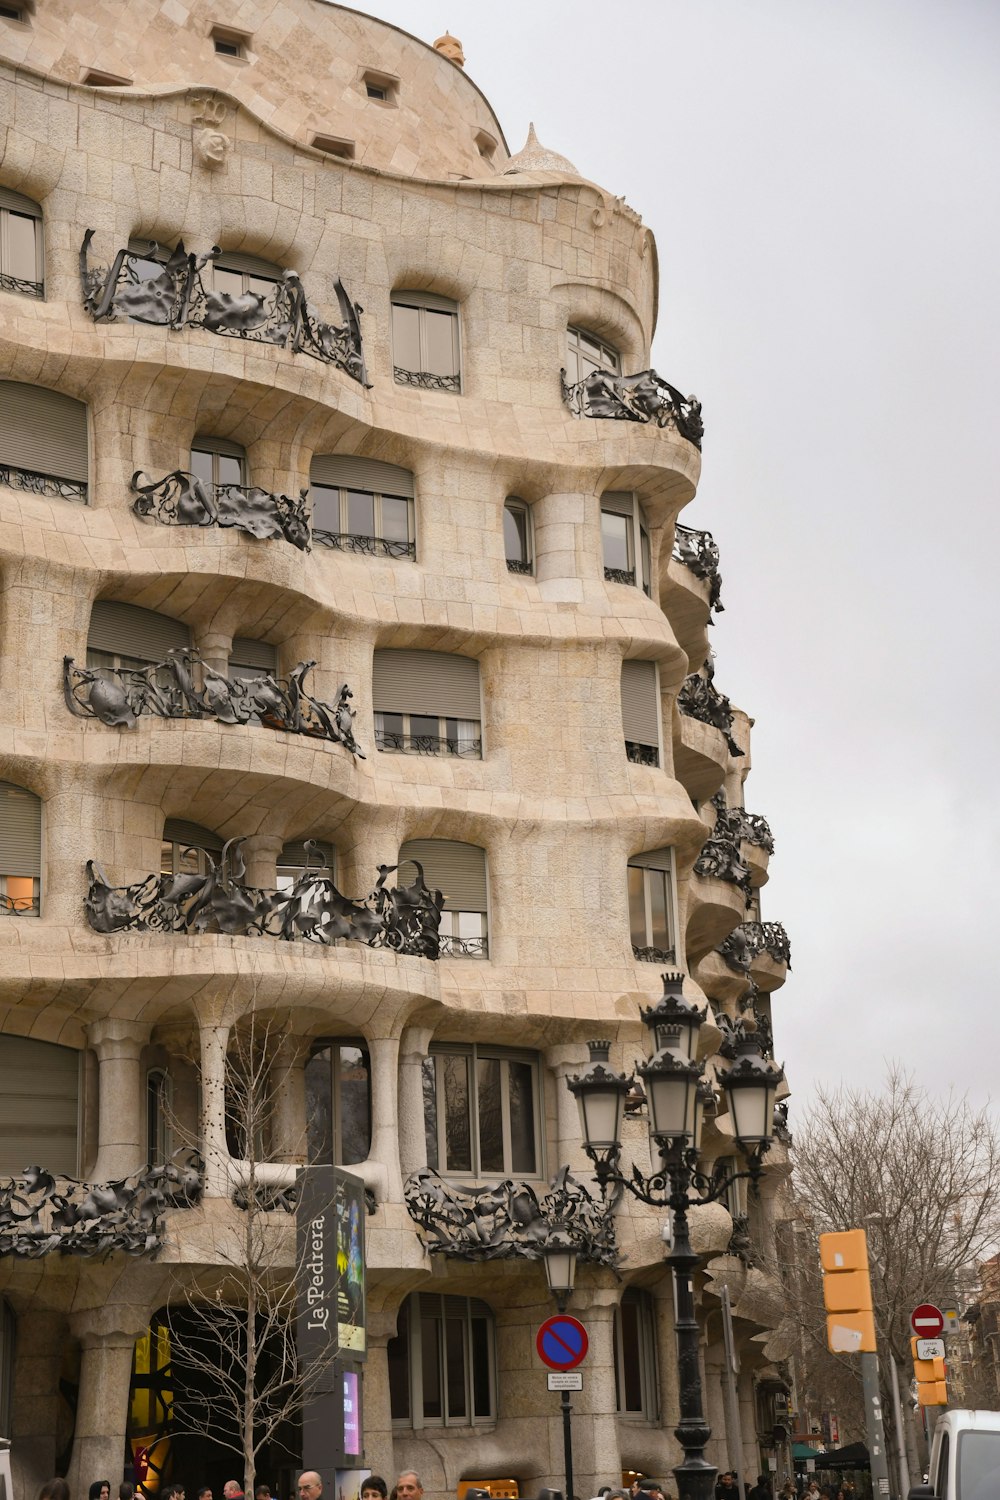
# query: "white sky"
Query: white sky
{"points": [[821, 177]]}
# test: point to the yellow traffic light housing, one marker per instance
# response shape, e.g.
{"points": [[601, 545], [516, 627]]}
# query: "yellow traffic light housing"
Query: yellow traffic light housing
{"points": [[847, 1292]]}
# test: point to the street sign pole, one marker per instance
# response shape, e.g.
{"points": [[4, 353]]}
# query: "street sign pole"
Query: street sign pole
{"points": [[562, 1344], [567, 1414], [897, 1413], [876, 1428]]}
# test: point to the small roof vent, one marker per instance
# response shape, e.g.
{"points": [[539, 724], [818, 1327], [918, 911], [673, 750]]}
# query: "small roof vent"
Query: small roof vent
{"points": [[450, 47]]}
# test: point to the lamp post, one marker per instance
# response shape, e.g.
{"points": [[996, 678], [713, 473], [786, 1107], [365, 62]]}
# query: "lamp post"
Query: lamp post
{"points": [[678, 1094], [560, 1273]]}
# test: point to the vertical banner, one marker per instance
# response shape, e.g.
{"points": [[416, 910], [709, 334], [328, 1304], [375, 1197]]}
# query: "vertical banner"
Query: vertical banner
{"points": [[317, 1277]]}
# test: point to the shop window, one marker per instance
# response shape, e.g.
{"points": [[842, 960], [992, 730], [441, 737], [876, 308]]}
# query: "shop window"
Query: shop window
{"points": [[427, 703], [125, 635], [652, 918], [442, 1362], [425, 341], [459, 872], [625, 541], [40, 1092], [20, 245], [481, 1111], [517, 535], [634, 1346], [641, 712], [20, 852], [338, 1103], [43, 441], [585, 353], [359, 505], [218, 461]]}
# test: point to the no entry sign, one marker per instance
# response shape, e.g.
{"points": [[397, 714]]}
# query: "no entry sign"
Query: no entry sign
{"points": [[562, 1342], [927, 1321]]}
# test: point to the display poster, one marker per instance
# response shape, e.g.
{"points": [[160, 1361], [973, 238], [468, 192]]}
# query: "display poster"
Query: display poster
{"points": [[350, 1204]]}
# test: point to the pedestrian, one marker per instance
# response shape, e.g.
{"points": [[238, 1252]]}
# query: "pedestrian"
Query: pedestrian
{"points": [[374, 1488], [762, 1489], [100, 1489], [54, 1489], [310, 1486], [126, 1491], [262, 1492], [726, 1486], [205, 1493], [408, 1486], [232, 1490]]}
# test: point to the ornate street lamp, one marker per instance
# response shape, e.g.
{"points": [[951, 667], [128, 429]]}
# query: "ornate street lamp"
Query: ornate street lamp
{"points": [[679, 1096], [559, 1252]]}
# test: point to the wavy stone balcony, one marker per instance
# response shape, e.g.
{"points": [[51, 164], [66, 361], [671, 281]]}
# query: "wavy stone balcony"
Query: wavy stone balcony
{"points": [[751, 832], [645, 397], [701, 757], [699, 553]]}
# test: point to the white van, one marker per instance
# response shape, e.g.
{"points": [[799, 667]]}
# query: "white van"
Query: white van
{"points": [[965, 1458], [6, 1488]]}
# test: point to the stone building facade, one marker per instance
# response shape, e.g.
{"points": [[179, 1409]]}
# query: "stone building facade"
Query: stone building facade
{"points": [[297, 399]]}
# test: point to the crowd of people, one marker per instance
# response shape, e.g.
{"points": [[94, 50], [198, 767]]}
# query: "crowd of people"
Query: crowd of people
{"points": [[803, 1487]]}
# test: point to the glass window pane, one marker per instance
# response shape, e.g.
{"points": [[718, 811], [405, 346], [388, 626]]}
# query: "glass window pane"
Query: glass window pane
{"points": [[430, 1363], [647, 560], [425, 726], [515, 535], [360, 513], [319, 1108], [659, 911], [481, 1404], [325, 507], [406, 337], [616, 534], [458, 1135], [428, 1081], [631, 1355], [229, 470], [355, 1105], [395, 519], [202, 465], [441, 351], [521, 1077], [398, 1355], [455, 1366], [490, 1119], [21, 238], [637, 908], [228, 281], [470, 924], [264, 285]]}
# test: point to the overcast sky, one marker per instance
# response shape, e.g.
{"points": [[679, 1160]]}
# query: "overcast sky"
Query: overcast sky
{"points": [[821, 177]]}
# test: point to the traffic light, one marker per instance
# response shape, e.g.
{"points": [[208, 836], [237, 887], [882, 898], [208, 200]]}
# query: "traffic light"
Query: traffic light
{"points": [[932, 1387], [847, 1292]]}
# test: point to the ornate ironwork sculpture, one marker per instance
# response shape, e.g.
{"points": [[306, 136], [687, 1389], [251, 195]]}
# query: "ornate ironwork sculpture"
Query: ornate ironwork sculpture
{"points": [[41, 1212], [43, 484], [748, 940], [699, 552], [645, 397], [168, 689], [404, 919], [509, 1220], [700, 699], [182, 499], [641, 755], [720, 859], [425, 380], [519, 565], [744, 827], [369, 546], [176, 297], [10, 283], [652, 955], [620, 575]]}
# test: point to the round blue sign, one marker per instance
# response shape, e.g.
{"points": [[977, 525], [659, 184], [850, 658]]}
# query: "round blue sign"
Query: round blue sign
{"points": [[562, 1342]]}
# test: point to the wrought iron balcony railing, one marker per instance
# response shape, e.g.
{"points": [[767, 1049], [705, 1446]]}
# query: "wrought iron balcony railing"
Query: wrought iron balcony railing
{"points": [[369, 546], [700, 699], [42, 1212], [620, 575], [177, 297], [743, 827], [720, 859], [182, 499], [425, 380], [650, 955], [405, 919], [427, 744], [48, 485], [750, 939], [19, 906], [641, 755], [699, 552], [459, 947], [645, 397], [169, 690], [519, 565], [10, 283]]}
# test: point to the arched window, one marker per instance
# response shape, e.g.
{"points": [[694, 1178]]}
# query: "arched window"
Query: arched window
{"points": [[218, 461], [634, 1343], [427, 703], [585, 353], [185, 846], [125, 635], [482, 1111], [39, 1103], [43, 441], [338, 1103], [360, 505], [652, 918], [21, 265], [442, 1362], [625, 540], [20, 851], [425, 341], [641, 712], [459, 872], [517, 535]]}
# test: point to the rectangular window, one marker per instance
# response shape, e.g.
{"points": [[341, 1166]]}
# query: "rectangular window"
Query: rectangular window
{"points": [[482, 1112], [425, 734], [338, 1104], [640, 690], [634, 1349], [585, 353], [216, 461], [20, 244], [651, 906], [622, 521], [230, 44], [427, 703], [517, 536], [425, 341], [334, 145], [441, 1362], [356, 520]]}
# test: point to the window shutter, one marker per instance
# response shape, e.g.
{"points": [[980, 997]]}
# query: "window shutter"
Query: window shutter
{"points": [[253, 656], [39, 1106], [293, 856], [652, 859], [425, 299], [180, 831], [426, 682], [205, 444], [347, 471], [18, 203], [43, 431], [640, 703], [248, 265], [457, 870], [128, 630], [618, 502], [20, 831]]}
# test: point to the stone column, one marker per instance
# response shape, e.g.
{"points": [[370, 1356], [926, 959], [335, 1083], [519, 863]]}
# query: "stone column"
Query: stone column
{"points": [[561, 546], [379, 1452], [214, 648], [384, 1053], [561, 1061], [213, 1038], [288, 1094], [121, 1144], [74, 818], [413, 1048], [261, 856], [35, 1397], [107, 1335]]}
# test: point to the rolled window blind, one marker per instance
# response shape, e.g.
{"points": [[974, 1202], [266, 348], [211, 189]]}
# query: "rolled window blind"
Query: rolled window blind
{"points": [[39, 1106], [618, 502], [43, 431], [129, 630], [205, 444], [426, 682], [349, 472], [20, 831], [640, 703], [248, 265], [253, 656], [653, 859], [180, 831], [18, 203], [457, 870], [293, 857], [425, 299]]}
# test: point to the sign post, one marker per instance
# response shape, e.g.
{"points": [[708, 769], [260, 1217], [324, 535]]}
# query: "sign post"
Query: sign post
{"points": [[562, 1344]]}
